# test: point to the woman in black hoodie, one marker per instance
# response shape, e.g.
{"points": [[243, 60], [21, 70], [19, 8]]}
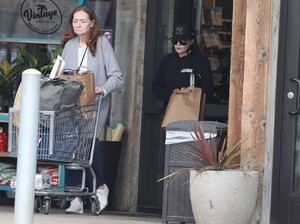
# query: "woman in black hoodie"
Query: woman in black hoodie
{"points": [[175, 68]]}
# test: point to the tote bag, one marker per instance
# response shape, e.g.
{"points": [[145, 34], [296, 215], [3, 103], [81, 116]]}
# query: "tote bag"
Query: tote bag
{"points": [[55, 93], [185, 104], [58, 93]]}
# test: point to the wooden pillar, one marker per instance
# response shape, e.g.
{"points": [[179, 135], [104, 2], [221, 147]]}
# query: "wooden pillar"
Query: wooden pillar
{"points": [[248, 83], [127, 102], [248, 79], [237, 72], [255, 83]]}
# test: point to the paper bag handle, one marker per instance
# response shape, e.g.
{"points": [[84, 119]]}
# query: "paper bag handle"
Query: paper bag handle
{"points": [[192, 80]]}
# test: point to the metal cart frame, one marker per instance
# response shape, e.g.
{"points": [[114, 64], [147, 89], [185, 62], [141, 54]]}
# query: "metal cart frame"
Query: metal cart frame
{"points": [[65, 137]]}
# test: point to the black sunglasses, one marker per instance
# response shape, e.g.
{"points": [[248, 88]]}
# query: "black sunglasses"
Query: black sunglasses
{"points": [[181, 42]]}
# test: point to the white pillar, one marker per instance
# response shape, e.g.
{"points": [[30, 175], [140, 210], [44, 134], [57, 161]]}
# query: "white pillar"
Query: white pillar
{"points": [[26, 163]]}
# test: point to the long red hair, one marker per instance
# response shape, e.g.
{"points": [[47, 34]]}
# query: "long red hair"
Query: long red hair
{"points": [[93, 34]]}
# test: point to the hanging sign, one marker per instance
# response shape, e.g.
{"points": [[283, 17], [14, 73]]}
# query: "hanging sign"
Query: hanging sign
{"points": [[41, 16]]}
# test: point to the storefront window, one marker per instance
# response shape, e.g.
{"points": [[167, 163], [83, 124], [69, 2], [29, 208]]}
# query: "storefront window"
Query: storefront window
{"points": [[37, 25], [166, 26], [35, 19]]}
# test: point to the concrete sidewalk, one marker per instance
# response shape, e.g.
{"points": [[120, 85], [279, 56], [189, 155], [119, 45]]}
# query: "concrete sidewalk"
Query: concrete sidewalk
{"points": [[57, 216]]}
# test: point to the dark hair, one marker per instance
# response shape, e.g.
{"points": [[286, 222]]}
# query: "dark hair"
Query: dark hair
{"points": [[93, 35], [195, 45]]}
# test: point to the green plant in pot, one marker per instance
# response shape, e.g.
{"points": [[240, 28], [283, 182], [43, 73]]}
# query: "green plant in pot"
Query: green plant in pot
{"points": [[31, 61], [10, 73], [46, 69]]}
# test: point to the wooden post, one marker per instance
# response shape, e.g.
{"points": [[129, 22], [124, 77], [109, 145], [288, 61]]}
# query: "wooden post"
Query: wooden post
{"points": [[248, 80], [255, 83], [248, 83], [237, 72]]}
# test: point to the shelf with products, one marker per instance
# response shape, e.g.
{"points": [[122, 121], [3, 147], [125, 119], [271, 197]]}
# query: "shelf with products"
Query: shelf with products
{"points": [[7, 161], [3, 133], [215, 44], [8, 165]]}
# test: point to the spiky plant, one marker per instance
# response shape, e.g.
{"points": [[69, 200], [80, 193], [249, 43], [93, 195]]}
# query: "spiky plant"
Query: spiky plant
{"points": [[211, 152]]}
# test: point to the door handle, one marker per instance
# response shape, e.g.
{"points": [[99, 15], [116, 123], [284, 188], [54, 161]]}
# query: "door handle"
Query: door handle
{"points": [[295, 112]]}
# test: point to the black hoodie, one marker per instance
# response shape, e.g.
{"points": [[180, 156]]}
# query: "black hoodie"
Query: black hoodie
{"points": [[174, 73]]}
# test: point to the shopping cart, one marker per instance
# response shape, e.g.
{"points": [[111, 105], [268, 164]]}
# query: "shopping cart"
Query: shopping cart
{"points": [[65, 137]]}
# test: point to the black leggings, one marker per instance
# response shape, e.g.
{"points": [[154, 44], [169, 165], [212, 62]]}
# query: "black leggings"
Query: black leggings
{"points": [[73, 177]]}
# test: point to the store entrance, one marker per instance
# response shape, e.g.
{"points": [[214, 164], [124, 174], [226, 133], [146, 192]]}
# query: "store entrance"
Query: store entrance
{"points": [[286, 190], [152, 148], [158, 33]]}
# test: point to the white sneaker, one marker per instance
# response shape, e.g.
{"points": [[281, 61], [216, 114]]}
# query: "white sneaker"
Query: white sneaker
{"points": [[102, 194], [76, 207]]}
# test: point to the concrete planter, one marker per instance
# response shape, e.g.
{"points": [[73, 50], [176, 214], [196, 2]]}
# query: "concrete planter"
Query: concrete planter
{"points": [[223, 197]]}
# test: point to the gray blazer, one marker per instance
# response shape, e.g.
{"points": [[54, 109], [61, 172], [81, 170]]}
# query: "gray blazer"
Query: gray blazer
{"points": [[104, 66]]}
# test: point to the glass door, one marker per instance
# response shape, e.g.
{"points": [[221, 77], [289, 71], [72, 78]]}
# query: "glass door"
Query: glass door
{"points": [[296, 184], [160, 15], [286, 178]]}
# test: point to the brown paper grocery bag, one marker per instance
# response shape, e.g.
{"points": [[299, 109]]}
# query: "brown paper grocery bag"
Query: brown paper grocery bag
{"points": [[88, 93], [185, 104]]}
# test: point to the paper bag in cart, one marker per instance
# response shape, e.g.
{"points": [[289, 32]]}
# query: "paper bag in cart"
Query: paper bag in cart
{"points": [[88, 93]]}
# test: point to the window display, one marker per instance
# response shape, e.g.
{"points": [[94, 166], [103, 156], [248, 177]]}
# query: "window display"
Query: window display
{"points": [[37, 26], [44, 21]]}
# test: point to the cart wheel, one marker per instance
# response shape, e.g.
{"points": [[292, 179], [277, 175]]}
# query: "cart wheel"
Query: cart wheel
{"points": [[37, 204], [95, 208], [47, 206]]}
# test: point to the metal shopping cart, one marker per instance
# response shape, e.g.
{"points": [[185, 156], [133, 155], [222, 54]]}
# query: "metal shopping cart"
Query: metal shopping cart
{"points": [[65, 137]]}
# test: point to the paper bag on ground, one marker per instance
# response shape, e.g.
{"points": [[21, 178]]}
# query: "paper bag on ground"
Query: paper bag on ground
{"points": [[117, 135]]}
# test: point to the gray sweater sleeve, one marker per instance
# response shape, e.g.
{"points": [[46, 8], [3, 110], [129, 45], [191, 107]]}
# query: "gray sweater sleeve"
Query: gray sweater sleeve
{"points": [[113, 73]]}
